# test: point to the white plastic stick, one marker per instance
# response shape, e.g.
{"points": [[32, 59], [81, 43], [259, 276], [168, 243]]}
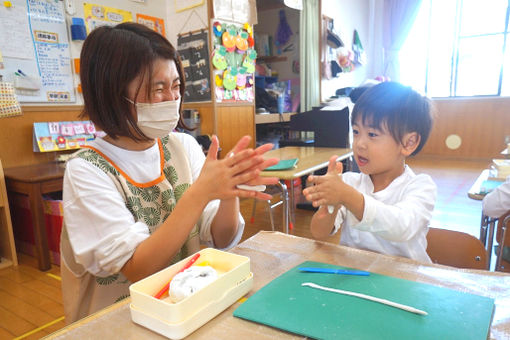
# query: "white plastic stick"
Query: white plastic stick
{"points": [[366, 297]]}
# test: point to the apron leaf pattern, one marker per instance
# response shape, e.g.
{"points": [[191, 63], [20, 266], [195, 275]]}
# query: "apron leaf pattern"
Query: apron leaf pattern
{"points": [[171, 175], [151, 216], [134, 189], [135, 206], [122, 297], [166, 153], [107, 280], [168, 200], [150, 194], [180, 189]]}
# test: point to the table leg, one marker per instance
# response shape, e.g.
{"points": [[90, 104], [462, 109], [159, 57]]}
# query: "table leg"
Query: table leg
{"points": [[39, 225], [285, 207]]}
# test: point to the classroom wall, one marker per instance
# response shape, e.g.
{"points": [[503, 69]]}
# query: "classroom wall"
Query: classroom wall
{"points": [[185, 21], [153, 8], [481, 122], [16, 136], [348, 15]]}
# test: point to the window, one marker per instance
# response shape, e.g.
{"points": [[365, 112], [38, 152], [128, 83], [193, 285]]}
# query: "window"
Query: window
{"points": [[458, 48]]}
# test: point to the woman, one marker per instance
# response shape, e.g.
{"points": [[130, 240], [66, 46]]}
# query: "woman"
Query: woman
{"points": [[142, 197]]}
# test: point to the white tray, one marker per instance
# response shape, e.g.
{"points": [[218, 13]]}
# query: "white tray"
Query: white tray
{"points": [[202, 316]]}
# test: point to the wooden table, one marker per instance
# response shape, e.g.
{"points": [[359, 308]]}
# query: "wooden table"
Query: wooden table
{"points": [[487, 223], [272, 254], [310, 159], [34, 181]]}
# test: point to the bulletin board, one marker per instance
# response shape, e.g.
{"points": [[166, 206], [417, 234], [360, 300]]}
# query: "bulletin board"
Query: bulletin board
{"points": [[194, 52], [233, 60], [35, 48]]}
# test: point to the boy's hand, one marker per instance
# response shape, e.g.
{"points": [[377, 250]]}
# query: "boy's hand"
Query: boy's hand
{"points": [[328, 189]]}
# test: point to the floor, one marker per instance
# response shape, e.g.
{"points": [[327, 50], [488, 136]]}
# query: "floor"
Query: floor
{"points": [[30, 300]]}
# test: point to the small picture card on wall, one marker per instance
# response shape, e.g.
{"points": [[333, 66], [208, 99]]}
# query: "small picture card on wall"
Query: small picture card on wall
{"points": [[57, 136]]}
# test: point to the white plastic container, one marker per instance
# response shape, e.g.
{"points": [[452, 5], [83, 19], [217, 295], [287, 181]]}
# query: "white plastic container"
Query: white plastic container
{"points": [[177, 320]]}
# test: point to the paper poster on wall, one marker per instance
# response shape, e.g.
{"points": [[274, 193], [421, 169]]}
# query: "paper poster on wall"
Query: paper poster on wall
{"points": [[57, 136], [239, 11], [155, 24], [36, 54], [233, 59], [15, 33], [194, 53], [98, 15]]}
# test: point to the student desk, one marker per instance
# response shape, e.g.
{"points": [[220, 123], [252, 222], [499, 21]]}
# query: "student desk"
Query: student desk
{"points": [[34, 181], [487, 224], [273, 253], [310, 159]]}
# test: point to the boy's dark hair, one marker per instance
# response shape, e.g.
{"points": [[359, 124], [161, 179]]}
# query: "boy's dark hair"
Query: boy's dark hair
{"points": [[112, 57], [399, 107]]}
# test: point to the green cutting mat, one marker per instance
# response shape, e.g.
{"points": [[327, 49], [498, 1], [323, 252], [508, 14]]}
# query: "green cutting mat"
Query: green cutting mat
{"points": [[285, 304]]}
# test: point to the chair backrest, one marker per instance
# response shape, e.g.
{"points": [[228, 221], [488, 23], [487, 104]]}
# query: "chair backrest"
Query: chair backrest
{"points": [[456, 249], [503, 238]]}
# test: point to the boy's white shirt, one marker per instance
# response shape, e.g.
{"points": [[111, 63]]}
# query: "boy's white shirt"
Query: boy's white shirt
{"points": [[395, 220], [102, 231], [497, 203]]}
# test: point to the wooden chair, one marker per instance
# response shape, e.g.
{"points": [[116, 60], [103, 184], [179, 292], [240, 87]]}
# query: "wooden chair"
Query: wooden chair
{"points": [[456, 249]]}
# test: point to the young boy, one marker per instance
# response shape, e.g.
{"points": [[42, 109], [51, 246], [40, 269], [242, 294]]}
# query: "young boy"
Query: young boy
{"points": [[386, 208]]}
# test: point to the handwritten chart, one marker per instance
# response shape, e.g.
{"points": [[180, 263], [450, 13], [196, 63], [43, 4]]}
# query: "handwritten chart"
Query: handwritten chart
{"points": [[38, 46]]}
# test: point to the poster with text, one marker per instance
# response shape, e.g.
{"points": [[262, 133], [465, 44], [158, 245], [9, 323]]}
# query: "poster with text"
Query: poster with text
{"points": [[155, 24], [98, 15]]}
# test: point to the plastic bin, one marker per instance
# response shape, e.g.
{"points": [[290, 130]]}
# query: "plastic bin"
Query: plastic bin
{"points": [[23, 228]]}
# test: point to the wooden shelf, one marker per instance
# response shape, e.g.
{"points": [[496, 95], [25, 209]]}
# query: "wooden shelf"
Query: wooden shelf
{"points": [[272, 58]]}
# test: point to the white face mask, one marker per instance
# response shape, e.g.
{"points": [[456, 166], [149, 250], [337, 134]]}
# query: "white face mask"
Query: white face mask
{"points": [[157, 120]]}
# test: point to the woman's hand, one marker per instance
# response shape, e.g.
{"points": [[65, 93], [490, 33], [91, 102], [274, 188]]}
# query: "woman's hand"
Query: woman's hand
{"points": [[219, 177]]}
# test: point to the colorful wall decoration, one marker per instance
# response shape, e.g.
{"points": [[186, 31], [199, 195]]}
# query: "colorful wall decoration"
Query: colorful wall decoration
{"points": [[233, 60], [57, 136]]}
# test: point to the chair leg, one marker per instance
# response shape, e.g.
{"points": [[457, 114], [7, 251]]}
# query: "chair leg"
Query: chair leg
{"points": [[270, 208], [502, 244], [252, 218]]}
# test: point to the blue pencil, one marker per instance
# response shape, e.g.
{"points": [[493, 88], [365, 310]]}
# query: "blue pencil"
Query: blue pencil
{"points": [[334, 271]]}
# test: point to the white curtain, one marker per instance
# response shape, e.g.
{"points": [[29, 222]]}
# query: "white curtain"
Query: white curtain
{"points": [[309, 28], [399, 16]]}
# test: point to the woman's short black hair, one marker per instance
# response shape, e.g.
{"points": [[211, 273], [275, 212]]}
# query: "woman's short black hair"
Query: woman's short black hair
{"points": [[401, 109], [111, 58]]}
